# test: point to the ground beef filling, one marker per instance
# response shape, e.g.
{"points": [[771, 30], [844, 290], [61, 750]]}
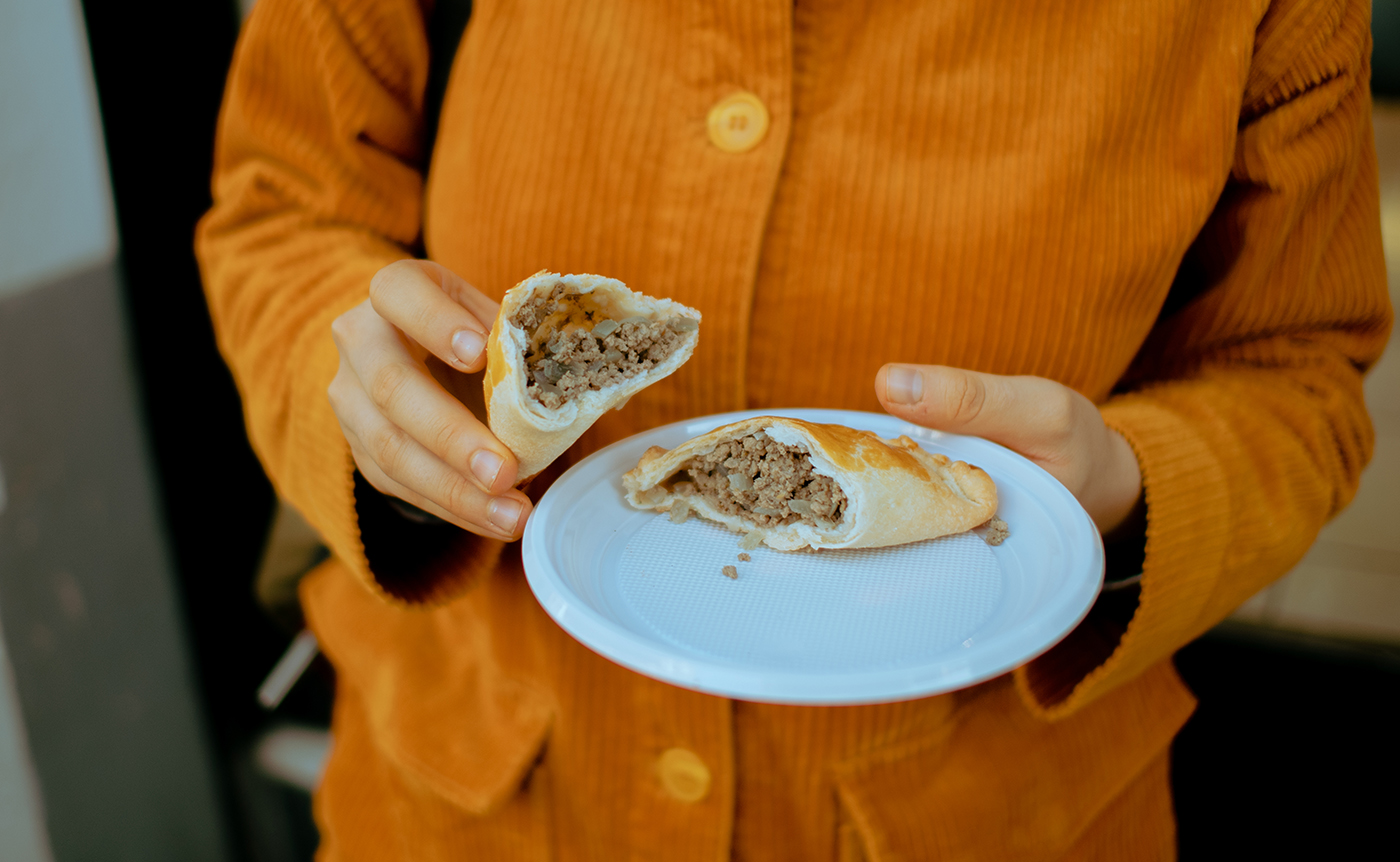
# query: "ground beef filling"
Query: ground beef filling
{"points": [[763, 481], [573, 350]]}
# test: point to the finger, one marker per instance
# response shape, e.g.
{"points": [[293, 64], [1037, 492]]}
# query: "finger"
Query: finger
{"points": [[395, 463], [1024, 413], [437, 309], [387, 486], [504, 515], [409, 398], [482, 307]]}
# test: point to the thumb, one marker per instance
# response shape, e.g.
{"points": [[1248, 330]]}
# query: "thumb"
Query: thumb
{"points": [[1014, 411]]}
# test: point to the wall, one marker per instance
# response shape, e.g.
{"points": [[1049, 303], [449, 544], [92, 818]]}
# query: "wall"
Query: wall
{"points": [[102, 748]]}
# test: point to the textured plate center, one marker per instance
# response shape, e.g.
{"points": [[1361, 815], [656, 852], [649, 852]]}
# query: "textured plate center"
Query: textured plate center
{"points": [[870, 609]]}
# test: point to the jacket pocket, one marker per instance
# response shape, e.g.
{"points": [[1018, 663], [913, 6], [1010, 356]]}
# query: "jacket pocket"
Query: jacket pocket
{"points": [[436, 703], [999, 783], [476, 749]]}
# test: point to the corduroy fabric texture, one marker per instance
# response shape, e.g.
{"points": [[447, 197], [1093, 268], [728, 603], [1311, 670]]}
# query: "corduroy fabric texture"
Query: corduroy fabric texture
{"points": [[1172, 208]]}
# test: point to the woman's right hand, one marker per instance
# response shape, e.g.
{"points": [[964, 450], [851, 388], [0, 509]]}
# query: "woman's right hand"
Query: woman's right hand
{"points": [[410, 436]]}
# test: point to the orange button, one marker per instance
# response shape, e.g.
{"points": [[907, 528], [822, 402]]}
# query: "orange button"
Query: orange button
{"points": [[738, 123], [684, 776]]}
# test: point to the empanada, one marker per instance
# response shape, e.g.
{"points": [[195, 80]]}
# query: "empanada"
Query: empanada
{"points": [[567, 348], [796, 484]]}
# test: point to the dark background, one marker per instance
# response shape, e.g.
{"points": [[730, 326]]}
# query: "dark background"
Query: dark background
{"points": [[160, 68], [1293, 747]]}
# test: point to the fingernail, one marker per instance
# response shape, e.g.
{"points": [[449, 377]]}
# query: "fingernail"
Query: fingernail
{"points": [[504, 513], [904, 385], [487, 466], [467, 344]]}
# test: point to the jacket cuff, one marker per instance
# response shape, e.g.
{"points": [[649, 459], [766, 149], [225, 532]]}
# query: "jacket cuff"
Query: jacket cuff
{"points": [[321, 481], [417, 557], [1187, 536]]}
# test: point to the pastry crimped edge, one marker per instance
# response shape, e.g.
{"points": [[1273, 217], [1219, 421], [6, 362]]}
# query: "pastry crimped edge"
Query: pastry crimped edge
{"points": [[896, 491], [536, 434]]}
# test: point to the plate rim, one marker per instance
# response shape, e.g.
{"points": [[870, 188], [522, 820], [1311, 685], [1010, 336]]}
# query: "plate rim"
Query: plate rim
{"points": [[714, 676]]}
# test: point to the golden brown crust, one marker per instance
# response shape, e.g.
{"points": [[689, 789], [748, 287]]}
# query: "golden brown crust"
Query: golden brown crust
{"points": [[897, 491]]}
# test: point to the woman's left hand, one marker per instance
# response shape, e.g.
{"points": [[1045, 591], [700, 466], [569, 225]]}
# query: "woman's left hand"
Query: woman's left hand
{"points": [[1047, 422]]}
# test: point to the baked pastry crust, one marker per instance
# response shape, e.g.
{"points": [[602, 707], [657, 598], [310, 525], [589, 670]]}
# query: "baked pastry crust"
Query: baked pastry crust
{"points": [[538, 434], [896, 491]]}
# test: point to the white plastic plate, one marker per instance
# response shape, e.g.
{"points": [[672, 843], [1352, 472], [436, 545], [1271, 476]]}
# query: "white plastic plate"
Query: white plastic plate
{"points": [[834, 627]]}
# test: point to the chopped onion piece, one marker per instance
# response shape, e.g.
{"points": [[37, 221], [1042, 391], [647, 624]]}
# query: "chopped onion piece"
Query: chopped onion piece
{"points": [[680, 511], [751, 541], [740, 482], [605, 328], [551, 370], [683, 324]]}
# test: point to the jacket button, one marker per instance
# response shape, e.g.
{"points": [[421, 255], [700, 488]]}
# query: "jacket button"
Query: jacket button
{"points": [[738, 123], [684, 776]]}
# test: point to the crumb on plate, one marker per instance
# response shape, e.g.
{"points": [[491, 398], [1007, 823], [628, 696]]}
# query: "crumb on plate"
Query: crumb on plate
{"points": [[997, 531]]}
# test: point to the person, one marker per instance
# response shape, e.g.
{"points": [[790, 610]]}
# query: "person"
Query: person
{"points": [[1137, 243]]}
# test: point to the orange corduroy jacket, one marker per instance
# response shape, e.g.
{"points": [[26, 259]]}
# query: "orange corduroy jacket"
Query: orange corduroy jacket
{"points": [[1170, 207]]}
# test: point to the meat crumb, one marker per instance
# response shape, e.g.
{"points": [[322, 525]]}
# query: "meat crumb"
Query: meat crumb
{"points": [[744, 558], [585, 351], [731, 573], [997, 531]]}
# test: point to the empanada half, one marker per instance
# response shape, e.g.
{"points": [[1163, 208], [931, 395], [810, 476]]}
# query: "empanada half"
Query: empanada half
{"points": [[565, 349], [798, 484]]}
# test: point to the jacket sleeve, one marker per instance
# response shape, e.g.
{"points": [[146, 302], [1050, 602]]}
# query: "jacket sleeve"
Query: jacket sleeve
{"points": [[1245, 404], [317, 185]]}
